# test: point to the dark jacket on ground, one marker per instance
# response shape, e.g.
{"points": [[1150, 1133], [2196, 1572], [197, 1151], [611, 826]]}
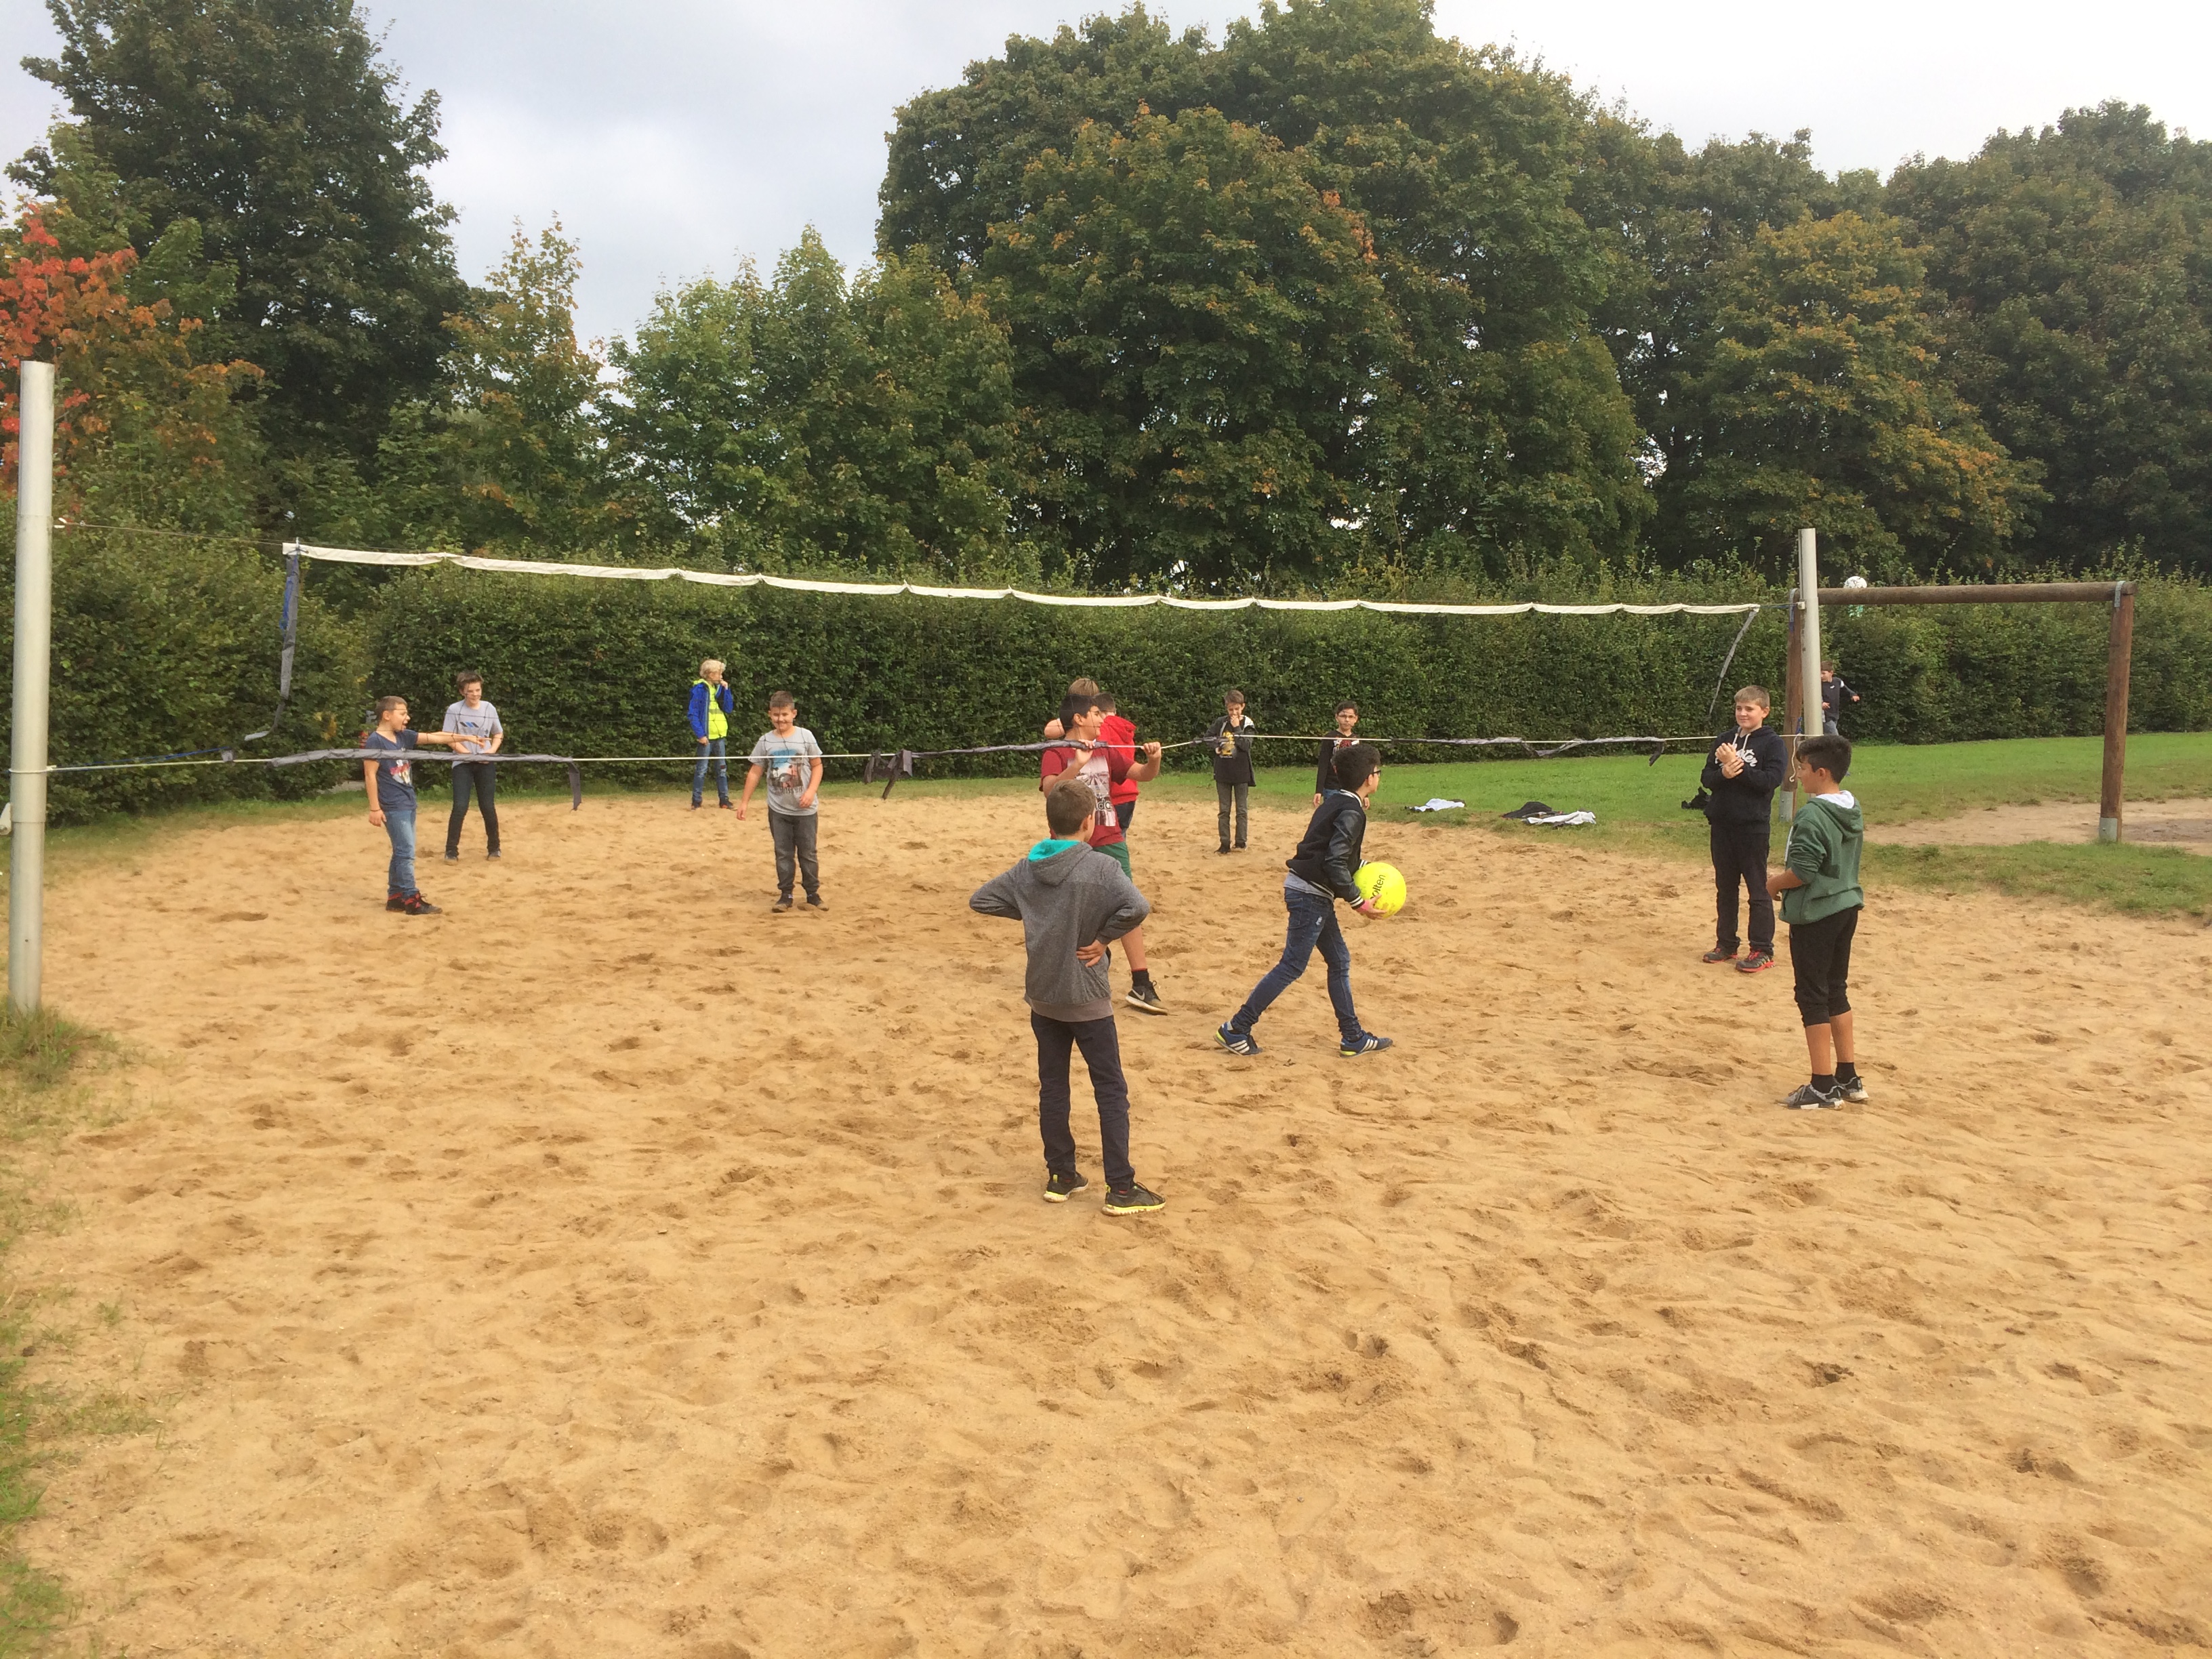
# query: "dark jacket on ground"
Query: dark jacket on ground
{"points": [[1075, 897], [1748, 797], [1236, 766], [1325, 768], [1328, 856]]}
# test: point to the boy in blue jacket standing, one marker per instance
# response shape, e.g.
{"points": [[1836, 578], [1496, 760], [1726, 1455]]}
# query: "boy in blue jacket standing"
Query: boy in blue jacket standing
{"points": [[711, 705]]}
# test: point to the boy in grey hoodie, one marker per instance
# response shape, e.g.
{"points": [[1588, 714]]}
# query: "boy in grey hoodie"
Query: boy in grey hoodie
{"points": [[1072, 901]]}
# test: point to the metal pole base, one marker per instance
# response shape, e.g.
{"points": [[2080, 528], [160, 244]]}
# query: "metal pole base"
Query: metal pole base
{"points": [[2108, 830]]}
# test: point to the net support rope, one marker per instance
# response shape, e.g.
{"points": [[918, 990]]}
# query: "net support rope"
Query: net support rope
{"points": [[888, 766]]}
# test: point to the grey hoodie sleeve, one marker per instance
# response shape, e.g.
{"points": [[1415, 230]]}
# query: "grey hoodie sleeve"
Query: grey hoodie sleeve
{"points": [[995, 898], [1129, 907]]}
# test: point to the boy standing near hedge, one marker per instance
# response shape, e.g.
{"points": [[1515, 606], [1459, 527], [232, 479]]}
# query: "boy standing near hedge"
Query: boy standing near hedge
{"points": [[1072, 904], [1747, 767], [789, 757], [1821, 898], [389, 776], [474, 718], [1230, 742], [1347, 720], [711, 705]]}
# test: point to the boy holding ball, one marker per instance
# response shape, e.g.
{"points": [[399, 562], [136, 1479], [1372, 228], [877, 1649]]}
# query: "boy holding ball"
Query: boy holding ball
{"points": [[1819, 887], [1323, 870]]}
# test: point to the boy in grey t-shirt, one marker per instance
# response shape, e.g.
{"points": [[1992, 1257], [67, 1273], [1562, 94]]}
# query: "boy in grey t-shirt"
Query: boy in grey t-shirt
{"points": [[475, 719], [790, 760]]}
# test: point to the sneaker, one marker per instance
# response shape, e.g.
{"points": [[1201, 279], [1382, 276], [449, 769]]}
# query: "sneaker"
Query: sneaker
{"points": [[726, 806], [1236, 1042], [1222, 851], [1365, 1044], [1717, 955], [695, 805], [493, 854], [1059, 1189], [415, 905], [1854, 1091], [814, 902], [1146, 997], [1807, 1098], [1133, 1199], [1758, 962], [452, 857], [396, 902], [780, 905]]}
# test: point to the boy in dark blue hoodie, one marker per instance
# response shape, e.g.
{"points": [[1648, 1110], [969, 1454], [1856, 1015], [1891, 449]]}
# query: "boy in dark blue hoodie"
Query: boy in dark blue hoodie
{"points": [[1321, 872]]}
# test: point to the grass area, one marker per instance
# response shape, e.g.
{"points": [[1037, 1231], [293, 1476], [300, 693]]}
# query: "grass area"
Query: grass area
{"points": [[45, 1061]]}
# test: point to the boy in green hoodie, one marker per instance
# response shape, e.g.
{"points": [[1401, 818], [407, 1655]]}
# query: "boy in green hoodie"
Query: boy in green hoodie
{"points": [[1819, 887]]}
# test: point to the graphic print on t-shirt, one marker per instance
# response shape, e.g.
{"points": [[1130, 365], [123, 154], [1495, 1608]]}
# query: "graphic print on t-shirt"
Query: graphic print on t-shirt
{"points": [[786, 760]]}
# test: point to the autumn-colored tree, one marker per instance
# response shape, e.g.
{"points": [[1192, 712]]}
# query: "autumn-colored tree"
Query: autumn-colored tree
{"points": [[144, 433]]}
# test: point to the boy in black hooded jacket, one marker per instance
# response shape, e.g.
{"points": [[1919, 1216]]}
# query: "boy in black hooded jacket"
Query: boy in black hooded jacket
{"points": [[1321, 872], [1747, 766]]}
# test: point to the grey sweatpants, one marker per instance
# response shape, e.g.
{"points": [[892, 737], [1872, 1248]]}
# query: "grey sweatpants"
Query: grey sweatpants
{"points": [[1240, 795], [794, 844]]}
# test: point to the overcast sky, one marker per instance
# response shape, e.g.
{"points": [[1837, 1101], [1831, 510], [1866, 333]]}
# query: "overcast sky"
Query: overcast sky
{"points": [[676, 137]]}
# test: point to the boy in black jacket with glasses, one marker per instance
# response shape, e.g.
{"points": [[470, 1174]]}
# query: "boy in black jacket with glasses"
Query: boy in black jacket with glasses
{"points": [[1321, 872]]}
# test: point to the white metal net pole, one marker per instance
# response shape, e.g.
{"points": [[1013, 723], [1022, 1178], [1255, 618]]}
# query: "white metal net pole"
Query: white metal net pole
{"points": [[34, 622]]}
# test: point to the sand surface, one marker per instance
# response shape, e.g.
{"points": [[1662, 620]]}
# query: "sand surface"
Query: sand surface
{"points": [[607, 1268], [2184, 823]]}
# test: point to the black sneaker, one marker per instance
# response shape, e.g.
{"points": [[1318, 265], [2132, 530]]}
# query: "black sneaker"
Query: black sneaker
{"points": [[1222, 851], [1809, 1097], [1853, 1089], [780, 905], [1144, 997], [415, 905], [1059, 1189], [396, 902], [493, 854], [1757, 960], [452, 857], [1133, 1199], [1719, 955], [1236, 1042], [814, 902], [1365, 1044]]}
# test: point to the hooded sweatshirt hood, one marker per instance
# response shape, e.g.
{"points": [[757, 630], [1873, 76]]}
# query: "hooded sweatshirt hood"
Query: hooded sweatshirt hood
{"points": [[1826, 839]]}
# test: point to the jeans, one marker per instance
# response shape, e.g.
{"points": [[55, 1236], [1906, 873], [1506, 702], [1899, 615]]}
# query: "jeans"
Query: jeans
{"points": [[400, 826], [719, 749], [1102, 1057], [479, 778], [1828, 726], [1239, 794], [793, 833], [1125, 814], [1313, 921], [1740, 855]]}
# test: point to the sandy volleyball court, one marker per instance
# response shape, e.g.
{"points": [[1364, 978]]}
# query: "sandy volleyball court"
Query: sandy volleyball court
{"points": [[607, 1268]]}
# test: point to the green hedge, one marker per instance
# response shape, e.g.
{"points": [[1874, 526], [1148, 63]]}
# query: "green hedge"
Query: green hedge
{"points": [[167, 645], [162, 645]]}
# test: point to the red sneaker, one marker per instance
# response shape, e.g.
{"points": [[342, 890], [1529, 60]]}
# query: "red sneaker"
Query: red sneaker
{"points": [[1757, 962]]}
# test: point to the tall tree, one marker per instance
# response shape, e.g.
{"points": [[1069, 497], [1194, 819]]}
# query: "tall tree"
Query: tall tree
{"points": [[2071, 271], [1494, 422], [1819, 404], [868, 422], [1200, 333], [276, 126]]}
